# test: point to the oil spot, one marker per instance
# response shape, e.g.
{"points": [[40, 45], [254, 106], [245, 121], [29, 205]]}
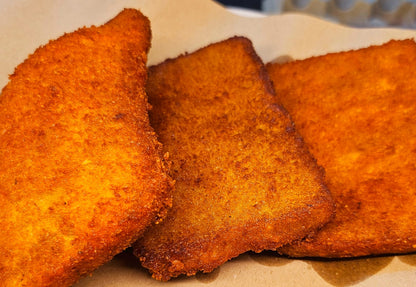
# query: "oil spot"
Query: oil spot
{"points": [[408, 259], [345, 272], [208, 277], [282, 59], [269, 258], [119, 116]]}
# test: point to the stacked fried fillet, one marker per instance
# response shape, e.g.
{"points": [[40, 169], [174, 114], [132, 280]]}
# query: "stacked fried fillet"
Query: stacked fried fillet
{"points": [[356, 111], [81, 171], [244, 180]]}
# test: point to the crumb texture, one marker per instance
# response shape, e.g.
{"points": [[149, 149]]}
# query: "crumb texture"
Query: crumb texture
{"points": [[244, 180], [81, 172], [355, 111]]}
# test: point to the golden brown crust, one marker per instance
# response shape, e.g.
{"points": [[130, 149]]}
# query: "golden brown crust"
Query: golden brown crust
{"points": [[244, 180], [81, 171], [355, 111]]}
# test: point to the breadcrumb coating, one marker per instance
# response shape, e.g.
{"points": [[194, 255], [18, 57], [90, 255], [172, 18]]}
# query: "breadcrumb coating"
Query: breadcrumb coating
{"points": [[244, 180], [356, 111], [81, 170]]}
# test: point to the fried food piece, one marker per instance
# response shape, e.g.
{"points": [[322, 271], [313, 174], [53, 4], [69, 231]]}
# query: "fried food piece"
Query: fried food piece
{"points": [[81, 172], [244, 180], [355, 111]]}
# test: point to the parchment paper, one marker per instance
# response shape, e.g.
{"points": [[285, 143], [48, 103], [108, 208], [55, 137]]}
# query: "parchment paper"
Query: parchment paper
{"points": [[185, 25]]}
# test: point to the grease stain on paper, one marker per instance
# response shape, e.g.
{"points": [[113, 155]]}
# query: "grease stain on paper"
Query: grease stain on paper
{"points": [[408, 259], [208, 277], [346, 272], [269, 258], [282, 59]]}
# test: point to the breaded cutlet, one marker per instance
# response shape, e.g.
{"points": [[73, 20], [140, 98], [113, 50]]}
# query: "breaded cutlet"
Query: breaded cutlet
{"points": [[81, 170], [356, 111], [244, 180]]}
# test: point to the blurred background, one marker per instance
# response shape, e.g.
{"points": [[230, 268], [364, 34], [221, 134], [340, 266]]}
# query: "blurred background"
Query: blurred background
{"points": [[356, 13]]}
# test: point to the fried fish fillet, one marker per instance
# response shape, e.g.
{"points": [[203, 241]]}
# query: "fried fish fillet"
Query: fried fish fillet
{"points": [[356, 111], [81, 171], [244, 180]]}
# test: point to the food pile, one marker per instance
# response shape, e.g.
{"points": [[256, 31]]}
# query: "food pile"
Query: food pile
{"points": [[201, 158]]}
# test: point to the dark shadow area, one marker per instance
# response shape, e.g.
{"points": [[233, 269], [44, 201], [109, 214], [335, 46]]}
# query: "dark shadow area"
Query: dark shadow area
{"points": [[250, 4], [348, 271], [269, 258]]}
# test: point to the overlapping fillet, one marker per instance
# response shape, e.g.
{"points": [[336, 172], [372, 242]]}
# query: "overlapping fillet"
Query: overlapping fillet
{"points": [[244, 180], [81, 170], [355, 111]]}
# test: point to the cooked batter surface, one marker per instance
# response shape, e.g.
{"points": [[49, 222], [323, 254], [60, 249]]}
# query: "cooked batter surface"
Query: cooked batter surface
{"points": [[356, 111], [244, 180], [81, 173]]}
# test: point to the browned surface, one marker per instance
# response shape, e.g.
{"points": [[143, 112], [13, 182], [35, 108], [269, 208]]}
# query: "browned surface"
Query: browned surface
{"points": [[356, 111], [243, 179], [80, 172]]}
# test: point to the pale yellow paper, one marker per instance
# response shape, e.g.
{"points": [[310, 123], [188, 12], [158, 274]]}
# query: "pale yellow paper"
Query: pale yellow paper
{"points": [[180, 26]]}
